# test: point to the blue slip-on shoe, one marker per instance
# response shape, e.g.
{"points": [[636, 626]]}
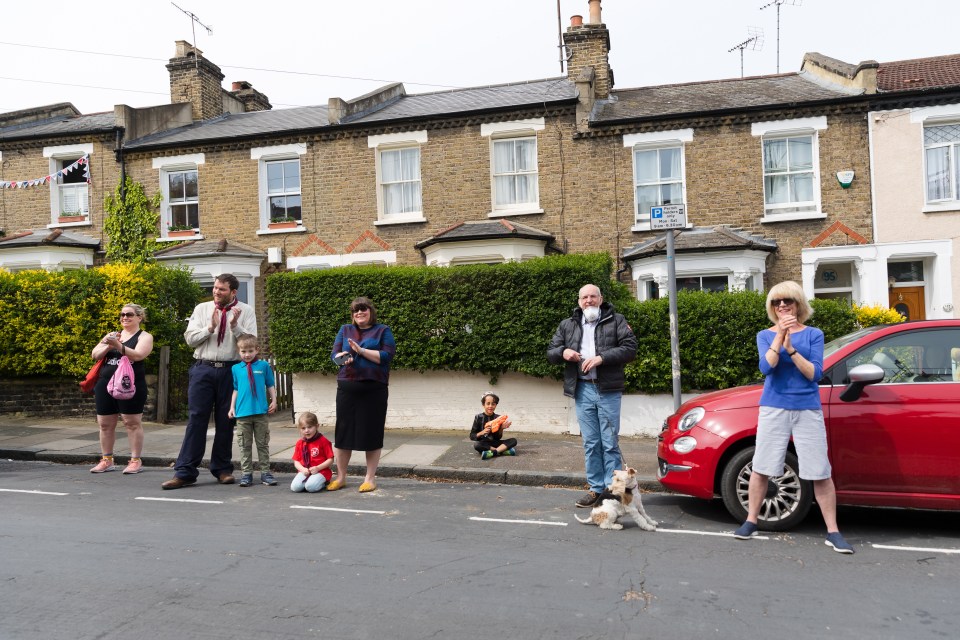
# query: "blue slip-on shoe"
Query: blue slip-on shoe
{"points": [[486, 455], [836, 541], [246, 480], [510, 452], [746, 531], [268, 479]]}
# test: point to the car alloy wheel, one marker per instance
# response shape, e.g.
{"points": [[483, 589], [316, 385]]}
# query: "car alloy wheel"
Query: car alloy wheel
{"points": [[786, 503]]}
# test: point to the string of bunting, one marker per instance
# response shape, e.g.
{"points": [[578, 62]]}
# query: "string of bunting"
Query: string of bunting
{"points": [[83, 162]]}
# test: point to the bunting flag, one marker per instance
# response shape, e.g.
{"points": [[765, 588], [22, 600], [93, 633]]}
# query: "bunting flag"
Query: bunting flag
{"points": [[83, 163]]}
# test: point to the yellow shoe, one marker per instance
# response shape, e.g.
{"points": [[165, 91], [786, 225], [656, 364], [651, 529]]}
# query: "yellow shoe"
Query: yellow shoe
{"points": [[333, 485], [366, 487]]}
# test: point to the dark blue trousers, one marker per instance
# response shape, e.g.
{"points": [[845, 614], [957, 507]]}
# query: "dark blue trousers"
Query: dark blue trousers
{"points": [[209, 391]]}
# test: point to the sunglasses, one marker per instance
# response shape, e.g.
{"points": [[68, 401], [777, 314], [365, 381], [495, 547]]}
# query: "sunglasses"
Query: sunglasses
{"points": [[361, 307], [127, 314], [776, 302]]}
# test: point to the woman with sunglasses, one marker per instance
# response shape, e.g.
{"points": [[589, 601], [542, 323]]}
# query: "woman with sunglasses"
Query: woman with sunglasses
{"points": [[363, 349], [791, 360], [136, 344]]}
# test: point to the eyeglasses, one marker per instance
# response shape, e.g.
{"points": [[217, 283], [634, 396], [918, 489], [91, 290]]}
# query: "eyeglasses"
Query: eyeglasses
{"points": [[361, 307], [127, 314], [776, 302]]}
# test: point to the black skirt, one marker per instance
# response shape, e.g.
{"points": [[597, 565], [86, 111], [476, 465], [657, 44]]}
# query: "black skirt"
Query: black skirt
{"points": [[361, 415]]}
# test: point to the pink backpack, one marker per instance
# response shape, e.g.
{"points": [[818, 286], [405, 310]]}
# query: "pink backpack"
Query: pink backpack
{"points": [[121, 384]]}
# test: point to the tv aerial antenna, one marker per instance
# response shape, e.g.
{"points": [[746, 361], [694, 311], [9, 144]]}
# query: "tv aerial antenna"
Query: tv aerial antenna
{"points": [[753, 43], [778, 4], [194, 21]]}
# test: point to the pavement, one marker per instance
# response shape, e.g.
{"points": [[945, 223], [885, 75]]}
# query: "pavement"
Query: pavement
{"points": [[439, 455]]}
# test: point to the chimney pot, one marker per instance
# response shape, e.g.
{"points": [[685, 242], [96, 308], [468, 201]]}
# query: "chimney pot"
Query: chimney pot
{"points": [[576, 21], [595, 12]]}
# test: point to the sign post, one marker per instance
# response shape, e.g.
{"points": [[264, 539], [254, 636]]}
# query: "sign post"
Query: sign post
{"points": [[669, 217]]}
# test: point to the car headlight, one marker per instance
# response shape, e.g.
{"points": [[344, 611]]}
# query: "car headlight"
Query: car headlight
{"points": [[686, 444], [691, 418]]}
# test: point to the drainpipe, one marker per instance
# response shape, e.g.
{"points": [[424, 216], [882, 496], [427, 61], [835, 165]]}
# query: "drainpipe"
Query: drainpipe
{"points": [[118, 154]]}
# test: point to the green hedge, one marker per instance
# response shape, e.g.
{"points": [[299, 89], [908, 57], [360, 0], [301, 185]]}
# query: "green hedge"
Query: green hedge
{"points": [[50, 321], [497, 318]]}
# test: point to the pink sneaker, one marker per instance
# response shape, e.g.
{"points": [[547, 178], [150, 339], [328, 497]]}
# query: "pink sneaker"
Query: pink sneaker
{"points": [[105, 464], [134, 466]]}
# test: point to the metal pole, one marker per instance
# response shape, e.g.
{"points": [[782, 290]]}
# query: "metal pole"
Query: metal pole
{"points": [[674, 336]]}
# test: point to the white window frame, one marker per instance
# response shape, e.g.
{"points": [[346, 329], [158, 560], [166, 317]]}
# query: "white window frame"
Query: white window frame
{"points": [[655, 141], [514, 130], [953, 156], [264, 156], [779, 130], [390, 142], [743, 268], [67, 154], [171, 164]]}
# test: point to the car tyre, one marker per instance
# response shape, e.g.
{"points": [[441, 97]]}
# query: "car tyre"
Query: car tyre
{"points": [[788, 497]]}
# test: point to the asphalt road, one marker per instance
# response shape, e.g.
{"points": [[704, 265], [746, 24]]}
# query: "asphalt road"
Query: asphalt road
{"points": [[111, 556]]}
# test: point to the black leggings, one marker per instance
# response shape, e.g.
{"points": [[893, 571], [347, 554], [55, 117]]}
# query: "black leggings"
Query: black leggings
{"points": [[486, 445]]}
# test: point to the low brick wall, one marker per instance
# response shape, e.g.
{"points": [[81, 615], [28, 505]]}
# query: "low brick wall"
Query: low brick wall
{"points": [[51, 397]]}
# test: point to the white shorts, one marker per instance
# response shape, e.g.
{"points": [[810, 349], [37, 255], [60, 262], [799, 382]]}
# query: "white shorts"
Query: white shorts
{"points": [[774, 430]]}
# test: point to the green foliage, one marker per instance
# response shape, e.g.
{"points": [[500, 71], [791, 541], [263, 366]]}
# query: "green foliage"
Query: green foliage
{"points": [[493, 319], [131, 224], [50, 321]]}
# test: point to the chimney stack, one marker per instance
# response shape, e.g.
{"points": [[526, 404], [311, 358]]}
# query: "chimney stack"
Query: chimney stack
{"points": [[588, 46], [252, 99], [196, 80]]}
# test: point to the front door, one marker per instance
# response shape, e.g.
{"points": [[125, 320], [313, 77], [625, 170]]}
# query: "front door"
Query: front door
{"points": [[909, 302]]}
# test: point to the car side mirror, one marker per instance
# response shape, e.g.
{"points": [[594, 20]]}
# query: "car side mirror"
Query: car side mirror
{"points": [[861, 376]]}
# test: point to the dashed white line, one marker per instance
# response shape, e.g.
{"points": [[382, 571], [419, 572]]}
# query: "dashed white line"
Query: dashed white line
{"points": [[924, 549], [708, 533], [39, 493], [179, 500], [300, 506], [556, 524]]}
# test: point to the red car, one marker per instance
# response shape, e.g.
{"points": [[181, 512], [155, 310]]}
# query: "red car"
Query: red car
{"points": [[891, 402]]}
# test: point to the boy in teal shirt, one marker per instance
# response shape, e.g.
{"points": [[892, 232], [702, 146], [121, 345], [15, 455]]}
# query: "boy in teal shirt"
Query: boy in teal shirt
{"points": [[253, 388]]}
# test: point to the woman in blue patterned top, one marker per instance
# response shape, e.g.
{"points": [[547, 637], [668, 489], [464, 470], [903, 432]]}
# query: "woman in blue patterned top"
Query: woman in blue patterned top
{"points": [[364, 350], [791, 359]]}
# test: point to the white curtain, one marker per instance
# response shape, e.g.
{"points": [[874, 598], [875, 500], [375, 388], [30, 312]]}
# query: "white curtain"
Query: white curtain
{"points": [[938, 174]]}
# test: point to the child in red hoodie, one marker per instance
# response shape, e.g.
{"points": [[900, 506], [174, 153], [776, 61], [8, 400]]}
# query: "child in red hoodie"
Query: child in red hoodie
{"points": [[312, 456]]}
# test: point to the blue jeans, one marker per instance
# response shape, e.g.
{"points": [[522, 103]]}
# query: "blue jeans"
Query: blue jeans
{"points": [[312, 483], [599, 416]]}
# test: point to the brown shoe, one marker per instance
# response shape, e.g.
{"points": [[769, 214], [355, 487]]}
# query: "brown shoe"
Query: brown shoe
{"points": [[588, 500], [177, 483], [226, 478]]}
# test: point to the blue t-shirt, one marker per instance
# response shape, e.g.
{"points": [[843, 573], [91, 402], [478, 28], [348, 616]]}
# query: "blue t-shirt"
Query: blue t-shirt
{"points": [[246, 404], [784, 386]]}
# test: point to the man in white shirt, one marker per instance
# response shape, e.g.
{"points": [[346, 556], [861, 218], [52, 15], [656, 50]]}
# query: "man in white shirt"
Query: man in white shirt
{"points": [[212, 331]]}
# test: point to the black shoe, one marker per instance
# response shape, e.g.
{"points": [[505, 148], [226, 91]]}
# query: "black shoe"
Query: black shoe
{"points": [[588, 500]]}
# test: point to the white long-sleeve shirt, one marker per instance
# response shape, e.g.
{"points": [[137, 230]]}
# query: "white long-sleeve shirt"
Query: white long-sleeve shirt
{"points": [[204, 342]]}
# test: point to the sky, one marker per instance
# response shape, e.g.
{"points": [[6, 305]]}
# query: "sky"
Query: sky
{"points": [[99, 53]]}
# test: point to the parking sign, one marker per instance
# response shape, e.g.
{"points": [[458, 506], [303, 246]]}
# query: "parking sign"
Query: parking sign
{"points": [[668, 216]]}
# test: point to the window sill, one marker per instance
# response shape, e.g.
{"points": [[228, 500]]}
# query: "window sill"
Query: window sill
{"points": [[270, 232], [503, 213], [948, 207], [403, 219], [196, 236], [792, 217], [60, 225]]}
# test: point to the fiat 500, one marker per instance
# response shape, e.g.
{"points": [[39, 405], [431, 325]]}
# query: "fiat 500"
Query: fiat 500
{"points": [[891, 403]]}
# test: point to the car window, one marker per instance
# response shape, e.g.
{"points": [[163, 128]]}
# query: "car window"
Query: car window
{"points": [[931, 355]]}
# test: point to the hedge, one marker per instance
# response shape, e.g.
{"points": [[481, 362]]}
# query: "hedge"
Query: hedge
{"points": [[50, 321], [497, 318]]}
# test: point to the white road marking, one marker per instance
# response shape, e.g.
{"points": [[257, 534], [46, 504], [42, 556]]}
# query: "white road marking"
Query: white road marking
{"points": [[709, 533], [179, 500], [300, 506], [556, 524], [924, 549], [39, 493]]}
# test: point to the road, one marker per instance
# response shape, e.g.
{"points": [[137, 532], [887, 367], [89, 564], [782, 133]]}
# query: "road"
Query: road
{"points": [[112, 556]]}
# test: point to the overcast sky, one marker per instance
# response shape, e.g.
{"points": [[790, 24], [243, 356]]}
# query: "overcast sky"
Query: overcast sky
{"points": [[99, 53]]}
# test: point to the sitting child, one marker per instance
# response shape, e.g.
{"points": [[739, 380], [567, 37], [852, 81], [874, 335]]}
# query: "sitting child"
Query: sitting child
{"points": [[489, 439], [312, 456]]}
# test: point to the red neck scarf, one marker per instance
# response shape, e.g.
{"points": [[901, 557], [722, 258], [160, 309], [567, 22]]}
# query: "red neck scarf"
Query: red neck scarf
{"points": [[253, 383], [224, 308]]}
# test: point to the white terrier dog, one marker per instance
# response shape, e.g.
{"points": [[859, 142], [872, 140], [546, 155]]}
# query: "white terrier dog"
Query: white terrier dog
{"points": [[620, 500]]}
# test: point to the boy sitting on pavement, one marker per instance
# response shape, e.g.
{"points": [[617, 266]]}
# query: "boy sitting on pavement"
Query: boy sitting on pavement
{"points": [[253, 383], [312, 456], [487, 430]]}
